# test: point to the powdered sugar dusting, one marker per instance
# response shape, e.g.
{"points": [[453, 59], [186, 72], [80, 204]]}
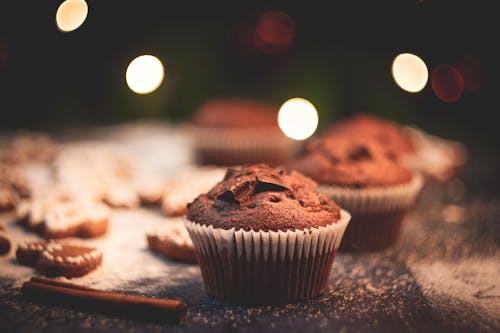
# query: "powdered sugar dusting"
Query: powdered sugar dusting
{"points": [[443, 276]]}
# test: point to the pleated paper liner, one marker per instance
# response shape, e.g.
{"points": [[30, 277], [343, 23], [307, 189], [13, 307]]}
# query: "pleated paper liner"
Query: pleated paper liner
{"points": [[266, 267], [377, 212], [236, 146]]}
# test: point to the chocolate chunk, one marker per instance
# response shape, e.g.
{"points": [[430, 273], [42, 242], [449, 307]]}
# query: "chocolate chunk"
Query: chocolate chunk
{"points": [[360, 153], [267, 184]]}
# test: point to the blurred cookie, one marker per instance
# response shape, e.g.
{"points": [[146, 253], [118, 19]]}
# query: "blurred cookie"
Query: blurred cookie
{"points": [[151, 192], [102, 170], [5, 244], [30, 147], [8, 198], [56, 259], [172, 240], [84, 219], [121, 197], [60, 217], [12, 176], [93, 166], [30, 213], [187, 186]]}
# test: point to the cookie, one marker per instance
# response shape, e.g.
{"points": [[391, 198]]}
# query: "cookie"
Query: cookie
{"points": [[8, 198], [93, 167], [151, 192], [58, 217], [84, 219], [30, 213], [187, 186], [172, 240], [4, 242], [13, 177], [121, 197], [31, 147], [28, 253], [55, 259]]}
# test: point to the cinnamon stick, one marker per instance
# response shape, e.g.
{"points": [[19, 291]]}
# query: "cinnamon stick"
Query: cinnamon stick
{"points": [[125, 306]]}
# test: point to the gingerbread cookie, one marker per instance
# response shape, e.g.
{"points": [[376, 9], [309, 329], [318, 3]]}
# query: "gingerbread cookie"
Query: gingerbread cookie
{"points": [[172, 240], [28, 253], [85, 219], [55, 217], [30, 146], [8, 198], [151, 192], [56, 259], [187, 186], [13, 178], [121, 197], [4, 242]]}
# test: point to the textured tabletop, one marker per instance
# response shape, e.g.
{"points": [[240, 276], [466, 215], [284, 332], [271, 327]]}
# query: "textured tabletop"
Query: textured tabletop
{"points": [[444, 275]]}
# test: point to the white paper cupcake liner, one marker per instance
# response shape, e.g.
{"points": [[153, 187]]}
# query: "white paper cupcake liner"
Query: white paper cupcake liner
{"points": [[375, 200], [266, 266]]}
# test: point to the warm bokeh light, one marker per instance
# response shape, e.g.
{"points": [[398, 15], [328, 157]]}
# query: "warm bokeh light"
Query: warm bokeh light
{"points": [[71, 14], [274, 31], [298, 118], [144, 74], [447, 83], [410, 72]]}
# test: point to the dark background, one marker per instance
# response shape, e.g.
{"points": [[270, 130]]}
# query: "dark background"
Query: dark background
{"points": [[340, 59]]}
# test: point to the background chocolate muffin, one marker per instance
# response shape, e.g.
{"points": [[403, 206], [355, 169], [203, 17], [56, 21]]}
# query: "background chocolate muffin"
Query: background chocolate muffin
{"points": [[264, 235], [389, 134], [359, 175], [438, 159], [235, 131]]}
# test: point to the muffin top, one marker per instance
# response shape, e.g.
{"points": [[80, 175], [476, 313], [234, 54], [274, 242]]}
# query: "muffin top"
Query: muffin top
{"points": [[351, 162], [259, 197], [236, 112], [387, 133]]}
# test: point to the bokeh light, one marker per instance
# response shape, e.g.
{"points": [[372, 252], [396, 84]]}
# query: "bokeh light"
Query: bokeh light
{"points": [[71, 14], [410, 72], [447, 83], [298, 118], [274, 31], [144, 74]]}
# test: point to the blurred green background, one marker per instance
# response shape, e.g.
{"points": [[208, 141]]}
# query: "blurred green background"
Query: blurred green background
{"points": [[339, 58]]}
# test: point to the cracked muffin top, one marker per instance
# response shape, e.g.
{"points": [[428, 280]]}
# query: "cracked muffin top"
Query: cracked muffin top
{"points": [[350, 162], [259, 197], [389, 134]]}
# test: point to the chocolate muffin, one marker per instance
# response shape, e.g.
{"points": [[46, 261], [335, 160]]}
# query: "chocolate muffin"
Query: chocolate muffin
{"points": [[387, 133], [358, 174], [265, 235], [235, 131]]}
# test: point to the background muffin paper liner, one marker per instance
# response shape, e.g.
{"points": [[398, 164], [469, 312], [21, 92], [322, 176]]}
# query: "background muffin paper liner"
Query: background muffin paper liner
{"points": [[247, 145], [241, 266], [374, 200]]}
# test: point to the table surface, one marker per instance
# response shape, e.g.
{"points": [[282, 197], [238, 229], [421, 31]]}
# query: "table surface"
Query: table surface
{"points": [[443, 275]]}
